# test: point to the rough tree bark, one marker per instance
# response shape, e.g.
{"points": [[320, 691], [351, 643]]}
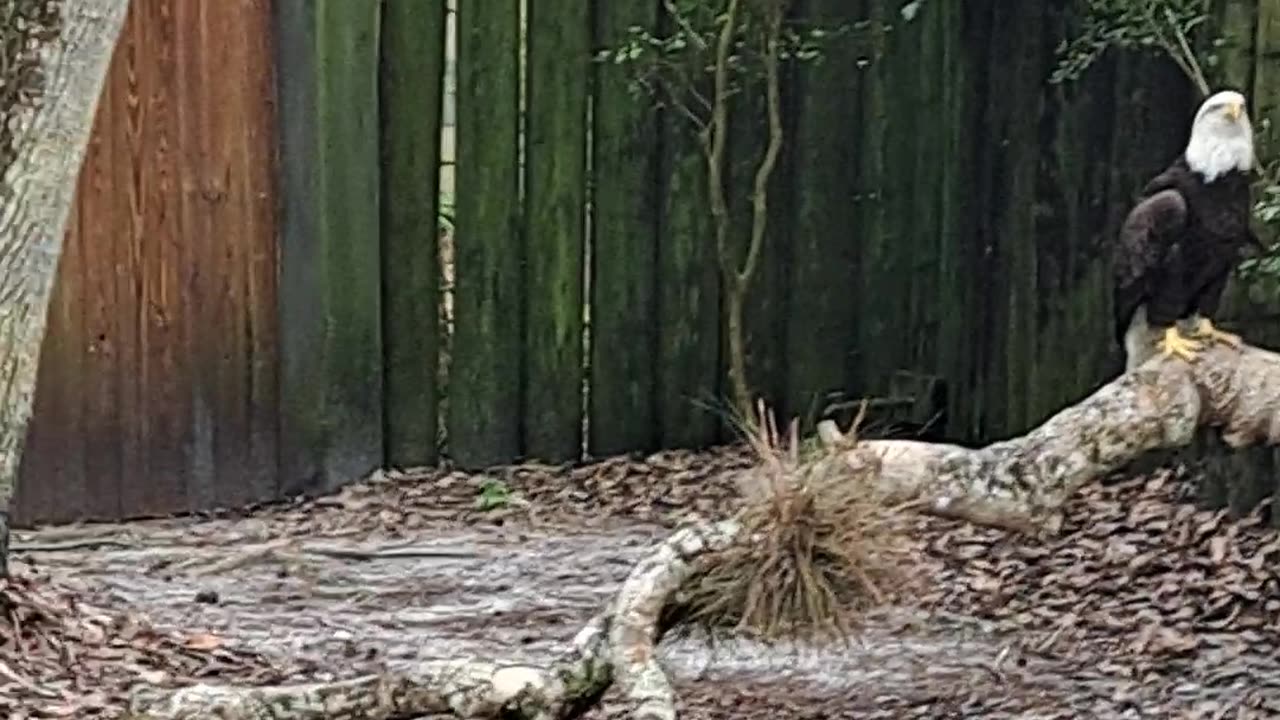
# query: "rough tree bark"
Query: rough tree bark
{"points": [[56, 54], [618, 645], [1019, 484]]}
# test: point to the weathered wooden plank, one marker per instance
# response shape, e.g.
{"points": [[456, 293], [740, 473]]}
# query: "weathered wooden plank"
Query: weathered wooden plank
{"points": [[256, 161], [132, 196], [412, 91], [1004, 318], [247, 388], [163, 375], [330, 314], [880, 300], [917, 200], [485, 368], [199, 387], [1235, 22], [624, 239], [962, 56], [690, 403], [559, 33], [1266, 79], [102, 235], [822, 319], [226, 143]]}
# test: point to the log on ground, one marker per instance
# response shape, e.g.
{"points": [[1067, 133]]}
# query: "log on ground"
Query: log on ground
{"points": [[1019, 483]]}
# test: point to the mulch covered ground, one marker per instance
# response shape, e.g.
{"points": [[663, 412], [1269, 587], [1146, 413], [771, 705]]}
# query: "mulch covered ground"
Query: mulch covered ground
{"points": [[1142, 607]]}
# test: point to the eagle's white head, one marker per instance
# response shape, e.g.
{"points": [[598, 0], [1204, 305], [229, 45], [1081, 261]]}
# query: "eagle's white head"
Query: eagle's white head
{"points": [[1221, 137]]}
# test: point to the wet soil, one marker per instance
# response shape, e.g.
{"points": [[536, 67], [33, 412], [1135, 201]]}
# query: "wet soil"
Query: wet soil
{"points": [[435, 565]]}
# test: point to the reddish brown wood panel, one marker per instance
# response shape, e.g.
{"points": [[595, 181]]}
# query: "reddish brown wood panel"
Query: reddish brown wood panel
{"points": [[157, 390]]}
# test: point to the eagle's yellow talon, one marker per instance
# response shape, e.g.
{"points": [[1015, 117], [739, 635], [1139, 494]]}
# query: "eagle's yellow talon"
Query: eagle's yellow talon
{"points": [[1205, 329], [1173, 343]]}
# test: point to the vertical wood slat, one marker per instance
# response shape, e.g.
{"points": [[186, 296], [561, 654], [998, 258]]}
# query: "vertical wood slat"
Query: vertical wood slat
{"points": [[485, 370], [878, 303], [690, 395], [163, 375], [625, 208], [330, 304], [412, 91], [1266, 79], [955, 291], [821, 328], [559, 33], [165, 295]]}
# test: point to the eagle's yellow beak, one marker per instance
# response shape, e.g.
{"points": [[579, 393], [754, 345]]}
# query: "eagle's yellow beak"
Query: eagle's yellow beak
{"points": [[1234, 110]]}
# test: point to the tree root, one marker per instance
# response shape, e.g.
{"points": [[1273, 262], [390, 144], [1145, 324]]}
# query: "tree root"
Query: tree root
{"points": [[1019, 484]]}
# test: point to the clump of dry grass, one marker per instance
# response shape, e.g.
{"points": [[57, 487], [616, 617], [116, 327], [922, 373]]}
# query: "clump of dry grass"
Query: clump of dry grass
{"points": [[818, 549]]}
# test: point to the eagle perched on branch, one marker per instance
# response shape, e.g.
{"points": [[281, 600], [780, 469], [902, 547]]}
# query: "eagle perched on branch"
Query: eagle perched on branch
{"points": [[1179, 244]]}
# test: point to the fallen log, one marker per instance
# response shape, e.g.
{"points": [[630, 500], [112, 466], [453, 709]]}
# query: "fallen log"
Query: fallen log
{"points": [[619, 644], [1020, 484]]}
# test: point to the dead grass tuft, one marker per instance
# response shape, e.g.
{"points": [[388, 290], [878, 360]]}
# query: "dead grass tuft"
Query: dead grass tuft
{"points": [[819, 549]]}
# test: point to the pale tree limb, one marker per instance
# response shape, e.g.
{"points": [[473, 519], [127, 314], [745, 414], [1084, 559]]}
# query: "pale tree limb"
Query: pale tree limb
{"points": [[619, 643], [1021, 483], [56, 55]]}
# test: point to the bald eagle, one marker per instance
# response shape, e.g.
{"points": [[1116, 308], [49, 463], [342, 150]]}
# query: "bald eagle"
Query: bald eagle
{"points": [[1180, 242]]}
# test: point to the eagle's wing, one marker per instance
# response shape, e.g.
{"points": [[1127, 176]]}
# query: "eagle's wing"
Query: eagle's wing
{"points": [[1147, 237]]}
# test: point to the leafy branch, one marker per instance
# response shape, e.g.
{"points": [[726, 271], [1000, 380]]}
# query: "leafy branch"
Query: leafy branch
{"points": [[1162, 26], [712, 53]]}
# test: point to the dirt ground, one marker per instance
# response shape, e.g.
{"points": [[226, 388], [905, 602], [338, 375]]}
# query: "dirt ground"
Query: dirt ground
{"points": [[1143, 607]]}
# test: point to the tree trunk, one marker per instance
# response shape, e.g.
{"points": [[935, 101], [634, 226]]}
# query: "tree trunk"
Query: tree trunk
{"points": [[56, 54]]}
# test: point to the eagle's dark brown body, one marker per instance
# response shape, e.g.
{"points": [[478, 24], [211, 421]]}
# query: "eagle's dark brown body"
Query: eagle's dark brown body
{"points": [[1179, 245]]}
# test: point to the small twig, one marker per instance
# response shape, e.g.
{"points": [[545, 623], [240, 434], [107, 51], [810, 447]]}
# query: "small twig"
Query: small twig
{"points": [[399, 553], [1189, 57], [70, 545], [680, 19], [26, 682]]}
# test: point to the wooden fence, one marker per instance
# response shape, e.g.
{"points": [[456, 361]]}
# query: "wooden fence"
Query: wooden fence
{"points": [[248, 305]]}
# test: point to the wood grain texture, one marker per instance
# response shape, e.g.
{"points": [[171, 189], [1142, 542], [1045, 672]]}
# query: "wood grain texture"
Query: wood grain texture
{"points": [[158, 378], [555, 230], [330, 296], [624, 239], [821, 328], [411, 77], [485, 370], [692, 395]]}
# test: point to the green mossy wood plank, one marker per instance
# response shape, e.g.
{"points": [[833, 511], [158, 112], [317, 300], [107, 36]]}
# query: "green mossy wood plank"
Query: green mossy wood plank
{"points": [[1002, 322], [821, 326], [556, 171], [484, 377], [330, 317], [412, 90], [962, 42], [920, 142], [690, 399], [1235, 23], [1266, 80], [624, 240], [881, 301]]}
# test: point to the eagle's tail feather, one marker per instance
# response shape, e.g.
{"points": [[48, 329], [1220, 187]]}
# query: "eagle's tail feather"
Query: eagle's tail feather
{"points": [[1137, 339]]}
